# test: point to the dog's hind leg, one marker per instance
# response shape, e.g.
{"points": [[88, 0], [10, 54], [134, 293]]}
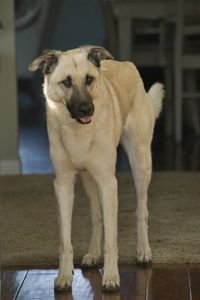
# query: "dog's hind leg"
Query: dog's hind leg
{"points": [[139, 154], [93, 257]]}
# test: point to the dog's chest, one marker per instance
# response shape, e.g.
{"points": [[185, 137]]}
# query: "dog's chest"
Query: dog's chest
{"points": [[78, 144]]}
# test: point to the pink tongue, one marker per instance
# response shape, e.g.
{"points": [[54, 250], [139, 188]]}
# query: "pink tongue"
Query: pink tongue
{"points": [[85, 119]]}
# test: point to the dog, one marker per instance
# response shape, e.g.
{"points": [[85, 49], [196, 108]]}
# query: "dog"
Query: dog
{"points": [[93, 103]]}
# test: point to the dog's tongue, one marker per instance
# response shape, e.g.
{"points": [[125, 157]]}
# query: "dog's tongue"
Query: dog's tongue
{"points": [[85, 119]]}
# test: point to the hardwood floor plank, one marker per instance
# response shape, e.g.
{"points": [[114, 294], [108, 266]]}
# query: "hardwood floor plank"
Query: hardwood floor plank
{"points": [[87, 284], [39, 284], [194, 273], [11, 283], [133, 282], [168, 282], [42, 271]]}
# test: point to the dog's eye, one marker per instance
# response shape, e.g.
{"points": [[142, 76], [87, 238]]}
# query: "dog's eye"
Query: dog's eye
{"points": [[67, 82], [88, 79]]}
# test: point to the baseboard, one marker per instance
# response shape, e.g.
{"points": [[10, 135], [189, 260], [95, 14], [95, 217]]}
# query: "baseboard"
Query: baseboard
{"points": [[10, 167]]}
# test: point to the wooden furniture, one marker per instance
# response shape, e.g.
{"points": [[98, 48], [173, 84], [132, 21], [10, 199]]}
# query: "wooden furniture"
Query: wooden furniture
{"points": [[137, 31], [121, 17], [186, 63], [126, 11]]}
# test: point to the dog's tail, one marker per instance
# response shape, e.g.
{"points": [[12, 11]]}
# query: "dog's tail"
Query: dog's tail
{"points": [[156, 94]]}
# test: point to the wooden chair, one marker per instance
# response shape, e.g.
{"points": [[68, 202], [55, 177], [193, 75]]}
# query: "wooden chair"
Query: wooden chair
{"points": [[148, 48], [186, 65]]}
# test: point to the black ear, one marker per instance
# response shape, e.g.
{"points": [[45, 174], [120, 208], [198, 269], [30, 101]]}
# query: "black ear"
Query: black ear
{"points": [[47, 62], [97, 54]]}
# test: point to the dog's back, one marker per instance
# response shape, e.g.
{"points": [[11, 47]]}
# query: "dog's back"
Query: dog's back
{"points": [[123, 77], [129, 87]]}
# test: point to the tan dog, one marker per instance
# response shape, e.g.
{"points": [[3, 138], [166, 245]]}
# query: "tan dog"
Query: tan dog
{"points": [[93, 103]]}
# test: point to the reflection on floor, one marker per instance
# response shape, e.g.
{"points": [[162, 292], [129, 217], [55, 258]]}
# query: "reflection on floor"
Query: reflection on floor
{"points": [[34, 148]]}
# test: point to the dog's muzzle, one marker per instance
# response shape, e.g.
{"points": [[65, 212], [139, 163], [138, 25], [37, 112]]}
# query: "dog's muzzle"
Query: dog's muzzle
{"points": [[81, 111]]}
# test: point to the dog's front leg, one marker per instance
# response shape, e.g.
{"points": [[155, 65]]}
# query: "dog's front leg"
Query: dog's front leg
{"points": [[64, 189], [108, 191], [92, 258]]}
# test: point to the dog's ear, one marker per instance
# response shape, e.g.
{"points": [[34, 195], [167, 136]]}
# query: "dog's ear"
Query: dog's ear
{"points": [[97, 54], [47, 62]]}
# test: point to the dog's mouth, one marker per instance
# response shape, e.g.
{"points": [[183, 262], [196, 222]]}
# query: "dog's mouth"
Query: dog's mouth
{"points": [[84, 120], [82, 112]]}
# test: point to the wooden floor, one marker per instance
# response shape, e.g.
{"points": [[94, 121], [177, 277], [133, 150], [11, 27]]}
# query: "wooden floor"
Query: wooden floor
{"points": [[161, 282]]}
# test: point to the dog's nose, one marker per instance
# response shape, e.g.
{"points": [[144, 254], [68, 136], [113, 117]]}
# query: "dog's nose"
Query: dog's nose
{"points": [[86, 108]]}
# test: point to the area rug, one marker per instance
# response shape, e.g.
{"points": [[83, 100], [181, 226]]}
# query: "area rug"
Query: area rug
{"points": [[29, 231]]}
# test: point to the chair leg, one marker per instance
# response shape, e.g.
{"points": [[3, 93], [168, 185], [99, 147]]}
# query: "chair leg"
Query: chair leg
{"points": [[168, 102], [178, 86], [192, 103]]}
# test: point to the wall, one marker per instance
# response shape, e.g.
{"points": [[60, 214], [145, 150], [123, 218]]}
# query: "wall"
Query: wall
{"points": [[79, 22], [70, 23], [9, 159]]}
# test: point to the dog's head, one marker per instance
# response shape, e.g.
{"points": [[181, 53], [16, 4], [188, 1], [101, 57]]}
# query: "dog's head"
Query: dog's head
{"points": [[72, 78]]}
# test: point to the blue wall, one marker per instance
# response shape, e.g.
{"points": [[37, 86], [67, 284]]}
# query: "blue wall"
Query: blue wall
{"points": [[79, 22]]}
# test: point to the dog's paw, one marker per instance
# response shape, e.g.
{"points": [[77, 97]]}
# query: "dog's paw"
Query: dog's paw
{"points": [[111, 284], [90, 261], [144, 258], [63, 284]]}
